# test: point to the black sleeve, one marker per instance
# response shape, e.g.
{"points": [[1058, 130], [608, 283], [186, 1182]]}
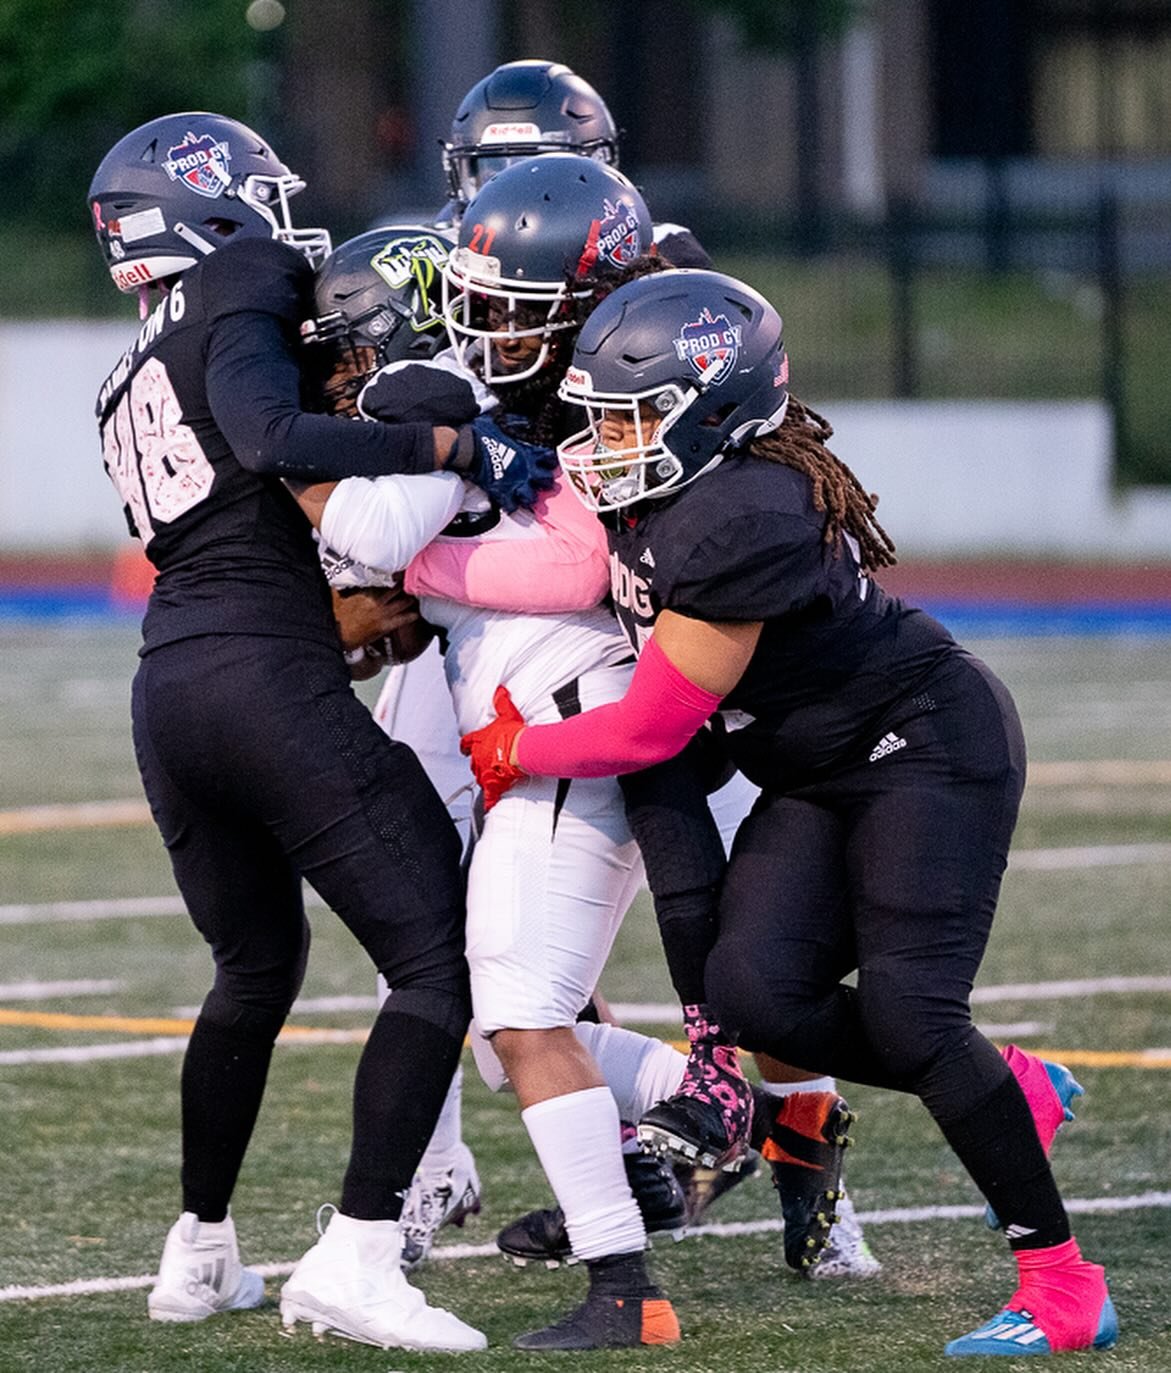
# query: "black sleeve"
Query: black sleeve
{"points": [[255, 294], [254, 390], [667, 810]]}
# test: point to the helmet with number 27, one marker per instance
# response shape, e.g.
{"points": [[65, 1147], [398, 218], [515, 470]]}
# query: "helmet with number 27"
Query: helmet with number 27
{"points": [[178, 187], [673, 371], [533, 244]]}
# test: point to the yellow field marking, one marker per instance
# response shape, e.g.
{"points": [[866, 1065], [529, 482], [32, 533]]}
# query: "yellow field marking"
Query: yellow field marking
{"points": [[54, 1020], [145, 1025], [1104, 772], [84, 815]]}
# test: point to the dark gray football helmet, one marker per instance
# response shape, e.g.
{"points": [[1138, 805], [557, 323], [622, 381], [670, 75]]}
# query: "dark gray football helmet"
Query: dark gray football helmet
{"points": [[520, 110], [531, 244], [673, 370], [178, 187], [377, 300]]}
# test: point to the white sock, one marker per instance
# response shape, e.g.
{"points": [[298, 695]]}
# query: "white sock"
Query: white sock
{"points": [[817, 1084], [576, 1137], [447, 1136], [639, 1070]]}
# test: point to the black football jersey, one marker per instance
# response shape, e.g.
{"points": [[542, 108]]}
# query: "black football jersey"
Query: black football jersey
{"points": [[199, 420], [744, 542]]}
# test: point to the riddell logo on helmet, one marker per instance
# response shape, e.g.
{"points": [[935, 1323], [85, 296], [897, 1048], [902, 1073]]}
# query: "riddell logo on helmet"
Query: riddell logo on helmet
{"points": [[200, 163], [132, 274], [509, 133]]}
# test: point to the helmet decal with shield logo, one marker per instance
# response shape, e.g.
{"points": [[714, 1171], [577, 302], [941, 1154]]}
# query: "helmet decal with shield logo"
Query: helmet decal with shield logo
{"points": [[672, 370]]}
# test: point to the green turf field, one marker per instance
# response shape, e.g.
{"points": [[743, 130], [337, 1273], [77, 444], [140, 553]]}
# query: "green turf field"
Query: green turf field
{"points": [[89, 1148]]}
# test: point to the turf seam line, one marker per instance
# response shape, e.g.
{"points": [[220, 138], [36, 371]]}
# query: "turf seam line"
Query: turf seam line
{"points": [[453, 1253]]}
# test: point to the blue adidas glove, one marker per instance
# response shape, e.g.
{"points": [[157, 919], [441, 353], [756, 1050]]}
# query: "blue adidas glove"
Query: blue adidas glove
{"points": [[512, 472]]}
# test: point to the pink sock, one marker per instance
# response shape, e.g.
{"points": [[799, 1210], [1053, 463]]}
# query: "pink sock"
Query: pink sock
{"points": [[1062, 1293], [1029, 1070]]}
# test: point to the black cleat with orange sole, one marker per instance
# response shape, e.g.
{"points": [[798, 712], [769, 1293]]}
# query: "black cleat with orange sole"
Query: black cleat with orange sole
{"points": [[606, 1321], [804, 1147]]}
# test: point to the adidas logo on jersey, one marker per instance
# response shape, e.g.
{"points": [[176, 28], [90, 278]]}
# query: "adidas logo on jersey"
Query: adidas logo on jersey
{"points": [[500, 455], [889, 743], [647, 557]]}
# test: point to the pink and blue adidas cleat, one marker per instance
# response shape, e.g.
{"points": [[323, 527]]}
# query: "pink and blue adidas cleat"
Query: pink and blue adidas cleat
{"points": [[1014, 1333], [1062, 1304]]}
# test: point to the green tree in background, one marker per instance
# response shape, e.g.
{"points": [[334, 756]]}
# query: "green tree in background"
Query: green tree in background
{"points": [[76, 76]]}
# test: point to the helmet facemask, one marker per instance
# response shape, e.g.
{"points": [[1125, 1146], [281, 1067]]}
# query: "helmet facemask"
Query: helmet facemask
{"points": [[484, 312], [623, 455], [469, 169], [269, 197]]}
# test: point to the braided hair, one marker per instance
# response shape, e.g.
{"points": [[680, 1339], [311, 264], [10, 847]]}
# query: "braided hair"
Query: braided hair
{"points": [[800, 443]]}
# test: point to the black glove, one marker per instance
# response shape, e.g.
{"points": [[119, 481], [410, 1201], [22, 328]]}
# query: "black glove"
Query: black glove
{"points": [[512, 472]]}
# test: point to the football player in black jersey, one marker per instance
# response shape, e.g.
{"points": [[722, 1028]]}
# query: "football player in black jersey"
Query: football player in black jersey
{"points": [[261, 766], [891, 761]]}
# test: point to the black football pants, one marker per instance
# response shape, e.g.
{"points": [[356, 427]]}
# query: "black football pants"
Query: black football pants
{"points": [[263, 768]]}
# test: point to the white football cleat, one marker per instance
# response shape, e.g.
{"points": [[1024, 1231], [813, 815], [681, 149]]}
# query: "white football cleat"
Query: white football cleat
{"points": [[351, 1284], [200, 1273], [846, 1254], [435, 1199]]}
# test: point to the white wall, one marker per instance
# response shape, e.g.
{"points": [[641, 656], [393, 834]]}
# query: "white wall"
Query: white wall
{"points": [[955, 477]]}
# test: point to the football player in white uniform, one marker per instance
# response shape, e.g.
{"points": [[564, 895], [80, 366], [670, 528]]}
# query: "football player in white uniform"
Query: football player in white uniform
{"points": [[517, 596]]}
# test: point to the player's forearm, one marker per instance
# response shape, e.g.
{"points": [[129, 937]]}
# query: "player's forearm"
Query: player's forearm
{"points": [[385, 522], [654, 721], [254, 390]]}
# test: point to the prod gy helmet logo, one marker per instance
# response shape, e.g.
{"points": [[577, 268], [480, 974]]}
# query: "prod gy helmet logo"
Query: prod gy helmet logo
{"points": [[618, 236], [200, 163], [711, 344]]}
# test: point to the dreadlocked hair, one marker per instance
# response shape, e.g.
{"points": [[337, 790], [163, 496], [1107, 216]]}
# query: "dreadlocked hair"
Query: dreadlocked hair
{"points": [[800, 443]]}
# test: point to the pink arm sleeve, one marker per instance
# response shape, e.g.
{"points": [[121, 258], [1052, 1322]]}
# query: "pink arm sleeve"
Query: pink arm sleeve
{"points": [[565, 569], [660, 712]]}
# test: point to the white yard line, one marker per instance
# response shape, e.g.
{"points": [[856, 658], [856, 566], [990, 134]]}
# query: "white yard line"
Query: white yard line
{"points": [[449, 1253], [41, 991], [1036, 860], [153, 1048]]}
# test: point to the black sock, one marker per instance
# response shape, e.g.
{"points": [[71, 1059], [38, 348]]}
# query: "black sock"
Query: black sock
{"points": [[403, 1076], [997, 1143], [224, 1073], [621, 1275]]}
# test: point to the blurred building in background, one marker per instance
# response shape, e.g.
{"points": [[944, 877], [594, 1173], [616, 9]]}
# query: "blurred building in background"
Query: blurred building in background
{"points": [[950, 202]]}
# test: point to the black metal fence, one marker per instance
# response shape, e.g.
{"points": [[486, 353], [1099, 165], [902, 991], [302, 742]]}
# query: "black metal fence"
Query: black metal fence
{"points": [[1001, 295]]}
